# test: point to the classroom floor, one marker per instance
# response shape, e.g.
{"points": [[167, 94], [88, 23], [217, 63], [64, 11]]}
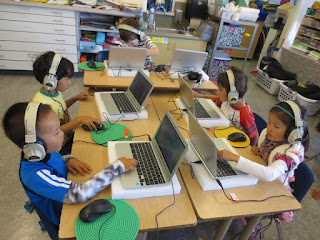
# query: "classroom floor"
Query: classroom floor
{"points": [[17, 223]]}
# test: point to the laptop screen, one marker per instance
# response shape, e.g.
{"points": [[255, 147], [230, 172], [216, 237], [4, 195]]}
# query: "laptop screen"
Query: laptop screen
{"points": [[203, 144], [169, 143], [140, 87], [188, 60], [127, 57], [186, 95]]}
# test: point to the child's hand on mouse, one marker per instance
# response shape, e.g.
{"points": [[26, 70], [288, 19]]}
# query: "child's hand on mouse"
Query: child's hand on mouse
{"points": [[89, 121], [227, 155], [255, 150], [75, 166], [82, 96], [129, 163]]}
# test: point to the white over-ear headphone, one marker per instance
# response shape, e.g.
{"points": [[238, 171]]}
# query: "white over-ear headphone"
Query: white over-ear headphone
{"points": [[233, 95], [294, 134], [34, 149], [132, 29], [50, 81]]}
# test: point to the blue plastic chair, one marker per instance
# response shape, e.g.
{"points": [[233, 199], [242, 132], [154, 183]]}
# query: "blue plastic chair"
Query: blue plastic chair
{"points": [[102, 55], [260, 122]]}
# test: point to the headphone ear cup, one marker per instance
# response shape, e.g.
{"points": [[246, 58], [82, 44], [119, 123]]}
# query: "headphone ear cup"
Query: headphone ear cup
{"points": [[143, 36], [50, 82], [35, 152], [233, 96]]}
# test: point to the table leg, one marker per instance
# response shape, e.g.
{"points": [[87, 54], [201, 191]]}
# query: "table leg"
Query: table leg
{"points": [[250, 227], [142, 236], [223, 229]]}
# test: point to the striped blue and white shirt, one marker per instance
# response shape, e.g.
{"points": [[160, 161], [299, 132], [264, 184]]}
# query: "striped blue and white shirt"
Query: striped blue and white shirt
{"points": [[46, 183]]}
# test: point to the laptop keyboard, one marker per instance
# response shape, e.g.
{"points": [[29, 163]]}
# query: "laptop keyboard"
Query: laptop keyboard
{"points": [[123, 103], [200, 112], [224, 169], [147, 168]]}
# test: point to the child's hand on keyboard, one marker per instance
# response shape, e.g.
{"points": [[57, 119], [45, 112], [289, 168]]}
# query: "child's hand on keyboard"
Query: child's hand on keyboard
{"points": [[129, 163], [227, 155]]}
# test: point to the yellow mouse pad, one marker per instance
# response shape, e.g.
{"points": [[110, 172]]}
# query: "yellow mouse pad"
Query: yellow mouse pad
{"points": [[224, 132]]}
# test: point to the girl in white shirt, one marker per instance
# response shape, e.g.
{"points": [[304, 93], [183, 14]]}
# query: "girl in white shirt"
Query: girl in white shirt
{"points": [[281, 145]]}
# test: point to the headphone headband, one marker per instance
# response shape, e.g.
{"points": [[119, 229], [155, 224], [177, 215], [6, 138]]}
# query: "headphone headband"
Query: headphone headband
{"points": [[296, 112], [132, 29], [34, 149], [30, 118], [233, 95], [50, 82], [294, 134]]}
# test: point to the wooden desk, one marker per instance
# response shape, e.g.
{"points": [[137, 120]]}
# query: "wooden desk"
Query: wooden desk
{"points": [[181, 214], [213, 205], [94, 79]]}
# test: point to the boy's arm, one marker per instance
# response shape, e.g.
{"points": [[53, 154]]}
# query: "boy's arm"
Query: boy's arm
{"points": [[81, 96], [81, 192], [89, 121], [199, 95], [154, 51]]}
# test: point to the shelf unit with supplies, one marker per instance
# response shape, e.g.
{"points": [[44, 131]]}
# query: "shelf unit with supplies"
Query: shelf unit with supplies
{"points": [[228, 37], [309, 32]]}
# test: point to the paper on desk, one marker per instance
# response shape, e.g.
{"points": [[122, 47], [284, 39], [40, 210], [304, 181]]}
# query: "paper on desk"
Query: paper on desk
{"points": [[118, 192], [205, 179], [143, 114], [221, 122]]}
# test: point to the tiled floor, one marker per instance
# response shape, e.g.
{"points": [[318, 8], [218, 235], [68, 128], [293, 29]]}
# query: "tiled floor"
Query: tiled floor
{"points": [[17, 223]]}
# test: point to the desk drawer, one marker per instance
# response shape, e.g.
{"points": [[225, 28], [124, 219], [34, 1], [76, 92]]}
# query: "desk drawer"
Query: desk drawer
{"points": [[26, 17], [30, 56], [22, 65], [16, 65], [37, 38], [37, 47], [37, 10], [36, 27]]}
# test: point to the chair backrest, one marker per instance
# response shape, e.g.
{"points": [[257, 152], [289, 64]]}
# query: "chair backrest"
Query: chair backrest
{"points": [[102, 55], [304, 178], [260, 122]]}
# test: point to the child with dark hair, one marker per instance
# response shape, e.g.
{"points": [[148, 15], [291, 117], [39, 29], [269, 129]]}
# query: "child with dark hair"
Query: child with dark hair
{"points": [[238, 112], [54, 98], [131, 36], [281, 146], [45, 181]]}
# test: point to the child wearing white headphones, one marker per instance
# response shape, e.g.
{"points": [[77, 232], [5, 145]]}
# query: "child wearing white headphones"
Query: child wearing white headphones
{"points": [[131, 36], [35, 128], [233, 85], [55, 73], [282, 146]]}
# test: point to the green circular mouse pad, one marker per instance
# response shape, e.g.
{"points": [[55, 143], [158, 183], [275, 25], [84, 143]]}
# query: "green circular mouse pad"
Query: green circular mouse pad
{"points": [[113, 132], [84, 66], [123, 225]]}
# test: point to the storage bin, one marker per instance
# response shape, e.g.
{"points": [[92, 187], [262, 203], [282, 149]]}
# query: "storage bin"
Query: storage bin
{"points": [[286, 93], [87, 46], [270, 85]]}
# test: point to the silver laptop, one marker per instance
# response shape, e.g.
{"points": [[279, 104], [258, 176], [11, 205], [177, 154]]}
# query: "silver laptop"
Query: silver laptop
{"points": [[206, 150], [127, 58], [133, 99], [198, 106], [158, 159], [187, 60]]}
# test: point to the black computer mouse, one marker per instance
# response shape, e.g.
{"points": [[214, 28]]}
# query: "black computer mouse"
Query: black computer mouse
{"points": [[91, 64], [99, 127], [94, 210], [237, 137]]}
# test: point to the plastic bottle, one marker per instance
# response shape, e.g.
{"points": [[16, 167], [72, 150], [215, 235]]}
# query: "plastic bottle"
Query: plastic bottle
{"points": [[151, 19]]}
